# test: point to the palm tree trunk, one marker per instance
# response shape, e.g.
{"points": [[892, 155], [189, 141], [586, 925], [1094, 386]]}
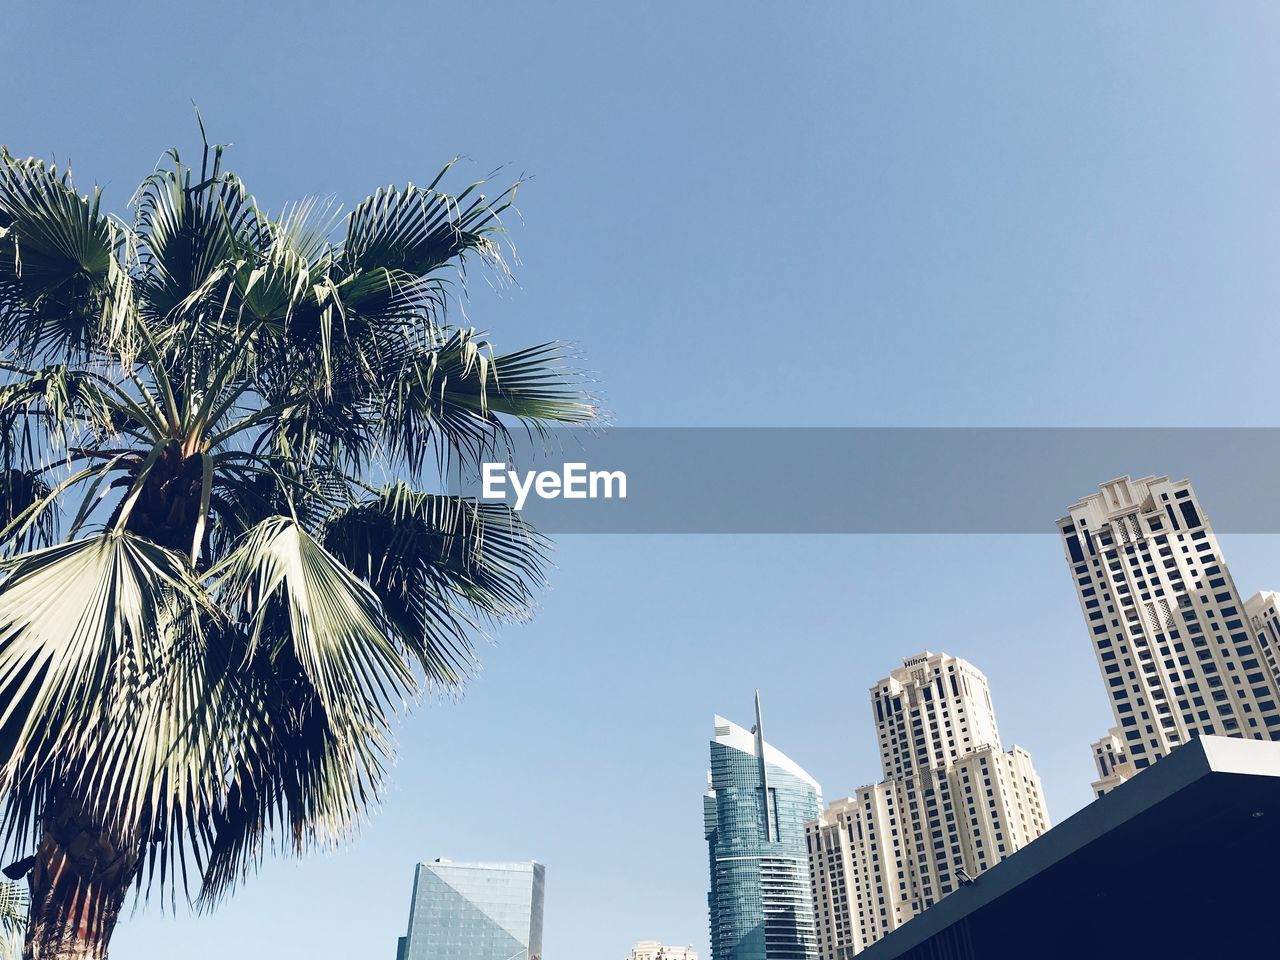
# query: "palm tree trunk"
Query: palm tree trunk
{"points": [[78, 884]]}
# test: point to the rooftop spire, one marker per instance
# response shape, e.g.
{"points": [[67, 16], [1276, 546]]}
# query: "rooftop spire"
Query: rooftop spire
{"points": [[764, 771]]}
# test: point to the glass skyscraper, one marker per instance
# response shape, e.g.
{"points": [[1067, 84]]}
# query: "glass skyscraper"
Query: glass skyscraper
{"points": [[754, 813], [475, 911]]}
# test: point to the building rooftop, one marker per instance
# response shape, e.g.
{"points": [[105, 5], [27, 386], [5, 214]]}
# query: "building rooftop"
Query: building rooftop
{"points": [[1189, 846], [739, 738]]}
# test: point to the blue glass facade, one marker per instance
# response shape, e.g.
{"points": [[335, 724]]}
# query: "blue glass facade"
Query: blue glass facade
{"points": [[760, 903], [475, 911]]}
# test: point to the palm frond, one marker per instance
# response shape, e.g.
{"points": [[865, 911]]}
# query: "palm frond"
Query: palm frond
{"points": [[441, 566], [302, 782], [44, 412], [413, 231], [21, 491], [191, 228], [337, 629], [450, 400], [207, 390], [65, 284], [14, 903], [83, 626]]}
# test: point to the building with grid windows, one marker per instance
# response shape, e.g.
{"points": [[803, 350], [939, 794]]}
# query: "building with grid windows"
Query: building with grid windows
{"points": [[1263, 610], [1109, 757], [653, 950], [475, 911], [754, 814], [1181, 653], [952, 804], [1206, 817]]}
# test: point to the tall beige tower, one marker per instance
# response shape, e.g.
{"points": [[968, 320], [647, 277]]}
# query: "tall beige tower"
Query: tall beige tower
{"points": [[1175, 644], [952, 804], [931, 710], [1263, 610]]}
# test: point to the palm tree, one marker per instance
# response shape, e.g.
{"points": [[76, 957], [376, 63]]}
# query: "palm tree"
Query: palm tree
{"points": [[224, 568], [13, 920]]}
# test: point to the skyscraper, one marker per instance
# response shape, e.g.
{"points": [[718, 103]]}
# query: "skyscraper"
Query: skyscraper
{"points": [[1176, 647], [951, 805], [475, 911], [1263, 610], [754, 812], [653, 950]]}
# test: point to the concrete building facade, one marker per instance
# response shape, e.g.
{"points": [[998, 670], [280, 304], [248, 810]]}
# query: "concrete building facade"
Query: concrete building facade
{"points": [[1263, 610], [1177, 647], [653, 950], [1210, 812], [953, 804]]}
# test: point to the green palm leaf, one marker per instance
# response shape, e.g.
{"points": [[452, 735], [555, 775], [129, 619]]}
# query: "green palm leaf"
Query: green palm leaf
{"points": [[440, 566], [21, 492], [415, 231], [13, 919], [451, 399], [79, 623], [212, 663], [337, 629], [64, 279], [191, 227]]}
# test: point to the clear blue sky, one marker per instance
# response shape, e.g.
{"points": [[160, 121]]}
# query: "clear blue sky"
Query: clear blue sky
{"points": [[828, 213]]}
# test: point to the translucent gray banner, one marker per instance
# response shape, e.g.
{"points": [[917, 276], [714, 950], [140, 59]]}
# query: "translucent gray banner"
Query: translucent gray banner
{"points": [[872, 480]]}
